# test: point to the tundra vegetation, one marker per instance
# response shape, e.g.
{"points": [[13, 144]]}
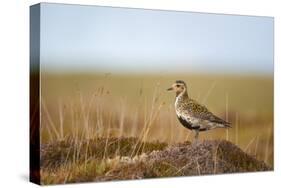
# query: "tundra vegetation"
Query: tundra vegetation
{"points": [[98, 127]]}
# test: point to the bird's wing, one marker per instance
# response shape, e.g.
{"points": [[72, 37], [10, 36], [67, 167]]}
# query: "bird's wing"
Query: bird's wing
{"points": [[201, 112], [186, 120]]}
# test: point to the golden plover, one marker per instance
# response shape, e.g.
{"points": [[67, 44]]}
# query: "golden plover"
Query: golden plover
{"points": [[193, 115]]}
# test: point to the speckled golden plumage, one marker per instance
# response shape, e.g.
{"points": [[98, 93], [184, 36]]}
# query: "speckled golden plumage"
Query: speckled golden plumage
{"points": [[193, 115]]}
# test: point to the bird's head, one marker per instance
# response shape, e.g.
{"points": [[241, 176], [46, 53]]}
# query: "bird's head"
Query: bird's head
{"points": [[179, 87]]}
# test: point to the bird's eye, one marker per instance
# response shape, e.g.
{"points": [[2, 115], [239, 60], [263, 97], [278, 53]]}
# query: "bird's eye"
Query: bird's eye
{"points": [[177, 85]]}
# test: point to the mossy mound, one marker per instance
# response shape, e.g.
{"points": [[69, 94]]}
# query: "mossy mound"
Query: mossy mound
{"points": [[58, 153], [207, 157], [104, 159]]}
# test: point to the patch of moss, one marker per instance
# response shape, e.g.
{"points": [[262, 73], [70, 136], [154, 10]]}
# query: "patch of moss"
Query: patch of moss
{"points": [[58, 153], [161, 169], [183, 159], [75, 172], [238, 159]]}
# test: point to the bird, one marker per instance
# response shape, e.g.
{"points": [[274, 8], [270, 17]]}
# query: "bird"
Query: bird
{"points": [[193, 115]]}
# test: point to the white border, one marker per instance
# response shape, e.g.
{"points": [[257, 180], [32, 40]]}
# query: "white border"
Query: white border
{"points": [[14, 42]]}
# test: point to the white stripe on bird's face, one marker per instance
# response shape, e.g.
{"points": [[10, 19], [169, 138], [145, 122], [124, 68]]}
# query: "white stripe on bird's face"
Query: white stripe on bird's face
{"points": [[178, 87]]}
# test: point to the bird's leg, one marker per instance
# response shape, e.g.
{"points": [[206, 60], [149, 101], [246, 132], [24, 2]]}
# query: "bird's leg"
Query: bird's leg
{"points": [[196, 136]]}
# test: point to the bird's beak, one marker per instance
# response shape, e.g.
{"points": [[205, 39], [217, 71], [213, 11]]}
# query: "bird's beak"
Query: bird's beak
{"points": [[170, 89]]}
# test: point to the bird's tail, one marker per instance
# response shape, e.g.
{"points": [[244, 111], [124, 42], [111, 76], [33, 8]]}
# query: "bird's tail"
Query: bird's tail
{"points": [[227, 125]]}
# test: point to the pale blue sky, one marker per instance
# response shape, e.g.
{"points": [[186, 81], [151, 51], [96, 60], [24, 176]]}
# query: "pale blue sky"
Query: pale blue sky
{"points": [[109, 39]]}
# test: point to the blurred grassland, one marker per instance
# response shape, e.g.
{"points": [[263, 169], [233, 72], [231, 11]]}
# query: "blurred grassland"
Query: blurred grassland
{"points": [[84, 105]]}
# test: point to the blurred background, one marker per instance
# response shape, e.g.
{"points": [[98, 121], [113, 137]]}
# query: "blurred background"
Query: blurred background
{"points": [[105, 71]]}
